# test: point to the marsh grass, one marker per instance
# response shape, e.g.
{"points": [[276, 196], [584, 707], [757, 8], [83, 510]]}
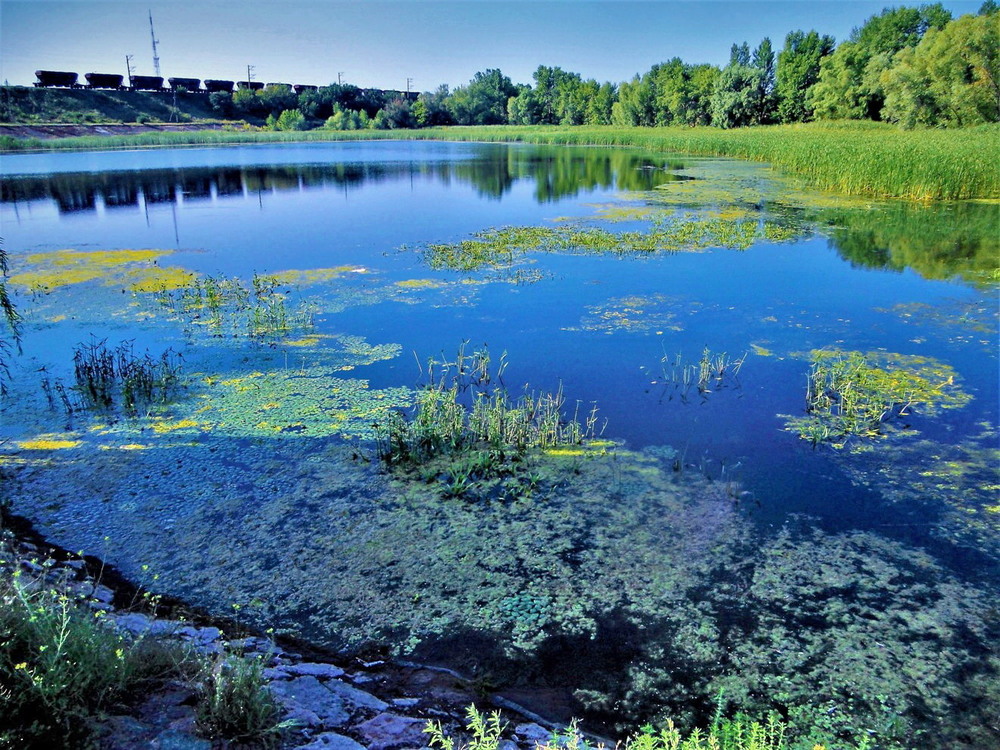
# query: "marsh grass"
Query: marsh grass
{"points": [[232, 307], [712, 372], [851, 394], [119, 378], [465, 414], [855, 158]]}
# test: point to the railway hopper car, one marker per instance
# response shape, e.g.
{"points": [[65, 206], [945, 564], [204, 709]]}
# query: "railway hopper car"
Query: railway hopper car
{"points": [[213, 84], [188, 84], [147, 83], [104, 80], [59, 78]]}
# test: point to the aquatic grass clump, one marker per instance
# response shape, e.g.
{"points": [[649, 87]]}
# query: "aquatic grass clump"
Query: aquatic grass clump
{"points": [[851, 394], [461, 412], [231, 307], [106, 378], [712, 372]]}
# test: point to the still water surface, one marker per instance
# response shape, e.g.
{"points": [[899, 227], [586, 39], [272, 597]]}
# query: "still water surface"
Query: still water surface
{"points": [[710, 547]]}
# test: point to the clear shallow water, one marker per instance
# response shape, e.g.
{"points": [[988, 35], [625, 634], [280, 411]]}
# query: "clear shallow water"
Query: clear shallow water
{"points": [[619, 558]]}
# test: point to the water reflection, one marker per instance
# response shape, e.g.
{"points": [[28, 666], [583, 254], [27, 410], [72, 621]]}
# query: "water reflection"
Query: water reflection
{"points": [[954, 240], [556, 174]]}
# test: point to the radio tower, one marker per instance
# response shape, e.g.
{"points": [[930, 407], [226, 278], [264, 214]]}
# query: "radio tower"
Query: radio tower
{"points": [[152, 35]]}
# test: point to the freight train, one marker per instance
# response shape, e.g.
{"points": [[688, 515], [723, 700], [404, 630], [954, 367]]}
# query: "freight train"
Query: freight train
{"points": [[69, 80]]}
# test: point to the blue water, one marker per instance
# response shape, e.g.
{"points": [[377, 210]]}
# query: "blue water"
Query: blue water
{"points": [[239, 210]]}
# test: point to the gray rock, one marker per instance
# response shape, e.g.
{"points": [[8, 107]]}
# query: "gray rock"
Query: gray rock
{"points": [[405, 702], [331, 741], [275, 673], [303, 718], [139, 624], [309, 694], [533, 733], [507, 745], [359, 698], [392, 732], [102, 594], [314, 669]]}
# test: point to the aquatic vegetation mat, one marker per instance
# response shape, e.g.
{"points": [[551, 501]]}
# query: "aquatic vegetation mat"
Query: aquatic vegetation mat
{"points": [[851, 394]]}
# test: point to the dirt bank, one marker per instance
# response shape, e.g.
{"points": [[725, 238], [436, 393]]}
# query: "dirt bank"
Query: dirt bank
{"points": [[67, 130]]}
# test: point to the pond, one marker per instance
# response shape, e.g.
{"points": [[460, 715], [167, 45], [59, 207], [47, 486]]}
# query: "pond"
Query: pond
{"points": [[785, 486]]}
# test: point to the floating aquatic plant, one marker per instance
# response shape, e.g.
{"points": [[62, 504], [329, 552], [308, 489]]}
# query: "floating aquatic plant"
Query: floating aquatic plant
{"points": [[855, 394], [712, 372]]}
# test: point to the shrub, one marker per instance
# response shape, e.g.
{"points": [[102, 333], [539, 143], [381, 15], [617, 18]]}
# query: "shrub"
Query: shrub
{"points": [[237, 705]]}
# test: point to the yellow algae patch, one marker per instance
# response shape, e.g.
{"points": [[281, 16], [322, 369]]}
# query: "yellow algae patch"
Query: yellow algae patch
{"points": [[161, 427], [156, 279], [46, 444], [65, 267], [304, 341], [565, 452], [126, 447], [272, 405], [761, 351], [314, 275], [421, 284]]}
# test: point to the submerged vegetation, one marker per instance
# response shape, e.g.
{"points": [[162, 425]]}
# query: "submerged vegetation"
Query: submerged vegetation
{"points": [[851, 394]]}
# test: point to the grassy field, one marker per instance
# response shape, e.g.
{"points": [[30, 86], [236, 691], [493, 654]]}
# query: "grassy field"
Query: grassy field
{"points": [[854, 158]]}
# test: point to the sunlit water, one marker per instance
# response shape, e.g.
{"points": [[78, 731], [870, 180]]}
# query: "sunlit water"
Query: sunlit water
{"points": [[664, 568]]}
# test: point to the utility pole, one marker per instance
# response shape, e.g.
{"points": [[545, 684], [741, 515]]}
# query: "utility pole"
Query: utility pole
{"points": [[250, 69], [409, 82], [128, 67], [152, 35], [339, 77]]}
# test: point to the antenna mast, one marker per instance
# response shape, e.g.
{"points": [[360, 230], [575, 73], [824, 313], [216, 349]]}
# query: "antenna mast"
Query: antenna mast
{"points": [[152, 35]]}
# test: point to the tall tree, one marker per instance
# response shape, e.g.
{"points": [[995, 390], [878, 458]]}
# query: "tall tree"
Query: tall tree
{"points": [[850, 80], [798, 71], [484, 100], [765, 105], [952, 77]]}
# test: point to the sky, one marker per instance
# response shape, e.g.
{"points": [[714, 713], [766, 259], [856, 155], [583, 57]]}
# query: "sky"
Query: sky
{"points": [[373, 43]]}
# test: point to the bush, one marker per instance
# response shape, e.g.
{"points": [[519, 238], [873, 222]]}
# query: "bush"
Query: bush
{"points": [[61, 664], [290, 119], [237, 705]]}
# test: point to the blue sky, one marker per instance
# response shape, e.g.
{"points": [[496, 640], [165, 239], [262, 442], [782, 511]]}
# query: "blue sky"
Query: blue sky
{"points": [[381, 44]]}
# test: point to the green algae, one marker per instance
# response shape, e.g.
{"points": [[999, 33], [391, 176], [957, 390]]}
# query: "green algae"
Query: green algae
{"points": [[851, 394], [654, 313]]}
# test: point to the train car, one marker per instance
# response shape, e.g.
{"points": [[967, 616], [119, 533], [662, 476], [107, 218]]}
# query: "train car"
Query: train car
{"points": [[285, 86], [63, 79], [104, 80], [212, 85], [190, 84], [298, 88], [147, 83], [252, 85]]}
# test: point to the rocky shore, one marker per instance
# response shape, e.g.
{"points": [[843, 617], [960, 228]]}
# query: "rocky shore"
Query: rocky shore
{"points": [[330, 701]]}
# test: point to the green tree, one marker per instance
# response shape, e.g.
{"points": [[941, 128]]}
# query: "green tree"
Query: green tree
{"points": [[399, 114], [524, 109], [798, 71], [952, 77], [850, 80], [600, 105], [483, 101], [744, 90], [431, 109]]}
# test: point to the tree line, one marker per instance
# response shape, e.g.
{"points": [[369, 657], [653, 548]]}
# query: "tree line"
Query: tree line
{"points": [[911, 66]]}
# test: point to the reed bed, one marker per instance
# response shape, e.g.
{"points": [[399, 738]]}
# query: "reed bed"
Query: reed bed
{"points": [[855, 158]]}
